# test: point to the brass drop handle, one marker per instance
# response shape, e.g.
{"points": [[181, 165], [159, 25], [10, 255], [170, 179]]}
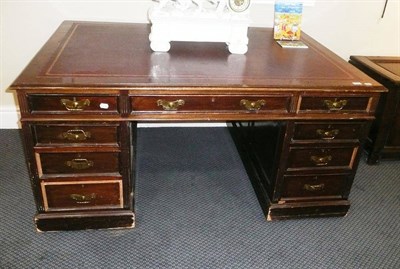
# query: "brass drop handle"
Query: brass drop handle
{"points": [[327, 134], [335, 104], [170, 105], [74, 105], [76, 135], [83, 199], [79, 164], [321, 160], [316, 187], [252, 105]]}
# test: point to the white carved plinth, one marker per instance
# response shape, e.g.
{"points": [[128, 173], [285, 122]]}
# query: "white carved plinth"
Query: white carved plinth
{"points": [[173, 23]]}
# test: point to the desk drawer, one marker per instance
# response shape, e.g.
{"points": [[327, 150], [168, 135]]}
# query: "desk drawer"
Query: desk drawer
{"points": [[82, 195], [77, 163], [327, 131], [75, 134], [327, 157], [318, 186], [328, 104], [72, 104], [262, 103]]}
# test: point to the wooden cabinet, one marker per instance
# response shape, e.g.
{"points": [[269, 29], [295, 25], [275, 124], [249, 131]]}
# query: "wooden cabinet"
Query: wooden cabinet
{"points": [[296, 116], [384, 138], [81, 170], [300, 166]]}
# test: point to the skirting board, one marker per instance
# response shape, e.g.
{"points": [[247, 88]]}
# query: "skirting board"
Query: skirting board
{"points": [[10, 120]]}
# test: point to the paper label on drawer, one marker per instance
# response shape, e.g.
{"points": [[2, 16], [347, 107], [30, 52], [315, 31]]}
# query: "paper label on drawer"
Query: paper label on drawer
{"points": [[104, 105]]}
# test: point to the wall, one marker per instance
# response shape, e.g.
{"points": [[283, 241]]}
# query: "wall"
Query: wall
{"points": [[352, 27]]}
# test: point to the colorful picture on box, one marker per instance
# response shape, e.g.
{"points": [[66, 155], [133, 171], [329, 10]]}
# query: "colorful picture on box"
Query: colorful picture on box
{"points": [[287, 23]]}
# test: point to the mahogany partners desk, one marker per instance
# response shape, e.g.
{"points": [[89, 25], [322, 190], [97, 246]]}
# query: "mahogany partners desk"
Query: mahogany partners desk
{"points": [[298, 117]]}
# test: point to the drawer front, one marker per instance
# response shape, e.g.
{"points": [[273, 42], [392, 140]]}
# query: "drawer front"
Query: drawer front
{"points": [[82, 195], [306, 158], [77, 163], [327, 131], [215, 103], [72, 104], [319, 186], [75, 134], [335, 104]]}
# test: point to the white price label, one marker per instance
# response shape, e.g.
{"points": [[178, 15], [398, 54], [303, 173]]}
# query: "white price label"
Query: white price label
{"points": [[104, 105]]}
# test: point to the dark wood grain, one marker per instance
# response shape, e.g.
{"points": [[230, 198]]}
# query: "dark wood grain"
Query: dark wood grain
{"points": [[83, 94], [119, 55], [96, 196], [76, 133]]}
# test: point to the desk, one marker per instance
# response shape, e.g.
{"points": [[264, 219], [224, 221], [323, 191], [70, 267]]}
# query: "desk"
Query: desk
{"points": [[384, 138], [298, 116]]}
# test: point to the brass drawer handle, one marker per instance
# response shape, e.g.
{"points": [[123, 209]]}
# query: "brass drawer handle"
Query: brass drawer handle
{"points": [[76, 135], [83, 199], [316, 187], [335, 104], [79, 164], [252, 106], [73, 105], [321, 161], [170, 105], [327, 134]]}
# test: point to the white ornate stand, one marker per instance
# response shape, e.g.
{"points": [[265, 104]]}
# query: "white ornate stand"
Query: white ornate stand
{"points": [[202, 21]]}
